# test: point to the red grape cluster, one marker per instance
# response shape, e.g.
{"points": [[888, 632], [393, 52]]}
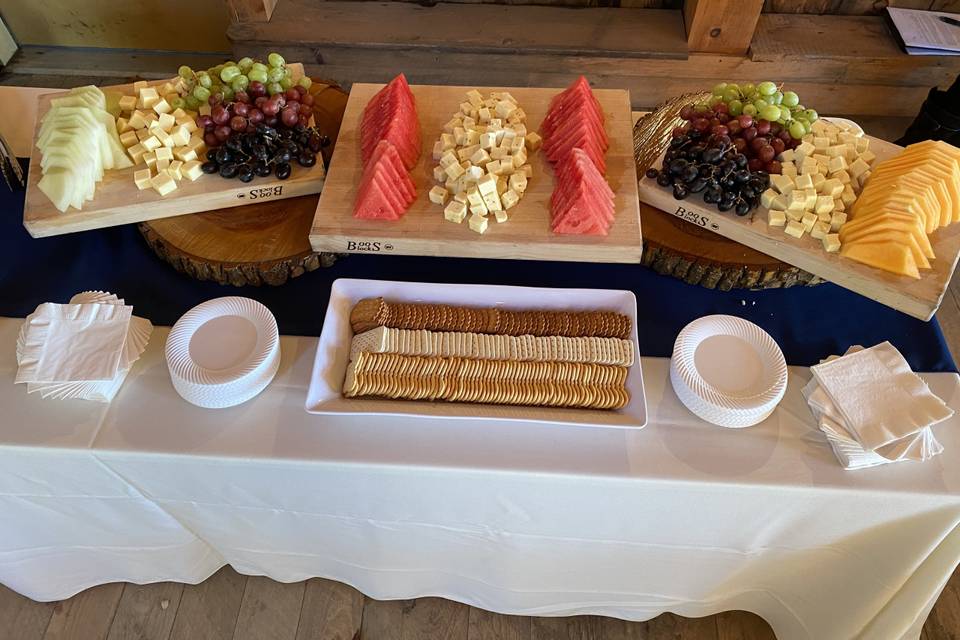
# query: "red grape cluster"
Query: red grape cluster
{"points": [[252, 107], [760, 140]]}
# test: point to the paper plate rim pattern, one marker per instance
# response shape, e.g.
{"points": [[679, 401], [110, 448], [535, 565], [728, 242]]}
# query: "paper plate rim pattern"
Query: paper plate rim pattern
{"points": [[177, 350]]}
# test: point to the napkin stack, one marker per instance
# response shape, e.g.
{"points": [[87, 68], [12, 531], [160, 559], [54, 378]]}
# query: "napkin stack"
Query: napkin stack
{"points": [[83, 349], [873, 409]]}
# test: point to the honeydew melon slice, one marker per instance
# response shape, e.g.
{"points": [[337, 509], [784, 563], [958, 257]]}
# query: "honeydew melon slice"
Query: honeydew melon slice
{"points": [[59, 185], [77, 127], [108, 124]]}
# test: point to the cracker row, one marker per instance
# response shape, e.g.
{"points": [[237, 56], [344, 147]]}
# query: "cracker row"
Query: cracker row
{"points": [[545, 393], [472, 368], [377, 312], [483, 346]]}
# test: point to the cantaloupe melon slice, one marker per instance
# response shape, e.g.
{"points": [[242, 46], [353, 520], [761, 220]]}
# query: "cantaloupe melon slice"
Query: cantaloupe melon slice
{"points": [[851, 232], [893, 257]]}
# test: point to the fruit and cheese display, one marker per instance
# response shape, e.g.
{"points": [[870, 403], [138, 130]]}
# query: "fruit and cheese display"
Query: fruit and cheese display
{"points": [[820, 181], [78, 141], [482, 159], [906, 198], [390, 147], [224, 81], [446, 353], [575, 141], [165, 141]]}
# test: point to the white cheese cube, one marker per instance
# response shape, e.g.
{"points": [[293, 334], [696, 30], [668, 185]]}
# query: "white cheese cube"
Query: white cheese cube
{"points": [[842, 176], [164, 153], [779, 203], [439, 174], [837, 220], [809, 166], [811, 199], [163, 183], [506, 165], [794, 228], [868, 156], [143, 134], [835, 150], [191, 170], [141, 178], [452, 124], [862, 144], [480, 157], [804, 181], [838, 205], [505, 109], [509, 198], [804, 150], [466, 108], [820, 143], [475, 173], [437, 150], [519, 158], [782, 183], [483, 114], [787, 155], [776, 218], [518, 182], [808, 220], [837, 163], [831, 242], [162, 106], [137, 120], [493, 167], [487, 184], [449, 158], [148, 94], [497, 153], [474, 197], [136, 153], [129, 138], [472, 137], [519, 129], [794, 214], [461, 197], [817, 127], [123, 125], [184, 154], [818, 180], [797, 199], [162, 165], [488, 140], [832, 188], [150, 159], [454, 171], [502, 186], [180, 136], [788, 169], [824, 205], [188, 123], [527, 170], [459, 135], [478, 223], [820, 230], [479, 209], [438, 195], [447, 141], [501, 216], [492, 200], [474, 97], [767, 198], [455, 211], [151, 143]]}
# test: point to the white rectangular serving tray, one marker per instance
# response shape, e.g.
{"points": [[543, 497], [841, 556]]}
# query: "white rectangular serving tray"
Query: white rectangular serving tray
{"points": [[333, 352]]}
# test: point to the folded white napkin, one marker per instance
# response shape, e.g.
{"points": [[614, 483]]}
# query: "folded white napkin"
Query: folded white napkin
{"points": [[880, 400], [73, 342], [134, 342]]}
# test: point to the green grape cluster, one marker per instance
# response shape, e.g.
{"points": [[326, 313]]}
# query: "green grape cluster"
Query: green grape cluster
{"points": [[222, 82], [766, 101]]}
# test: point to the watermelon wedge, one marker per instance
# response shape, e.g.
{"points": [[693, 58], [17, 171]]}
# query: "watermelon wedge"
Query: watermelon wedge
{"points": [[575, 121], [582, 201], [386, 190], [392, 115]]}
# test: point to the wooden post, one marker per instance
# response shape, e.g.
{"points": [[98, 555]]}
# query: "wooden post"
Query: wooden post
{"points": [[720, 26], [251, 10]]}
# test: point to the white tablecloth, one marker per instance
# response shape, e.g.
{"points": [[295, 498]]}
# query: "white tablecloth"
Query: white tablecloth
{"points": [[679, 516]]}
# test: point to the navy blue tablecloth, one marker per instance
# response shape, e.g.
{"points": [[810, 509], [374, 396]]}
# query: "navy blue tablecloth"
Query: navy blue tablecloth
{"points": [[809, 323]]}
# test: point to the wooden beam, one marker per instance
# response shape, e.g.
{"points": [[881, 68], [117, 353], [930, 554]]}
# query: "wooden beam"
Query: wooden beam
{"points": [[251, 10], [720, 26]]}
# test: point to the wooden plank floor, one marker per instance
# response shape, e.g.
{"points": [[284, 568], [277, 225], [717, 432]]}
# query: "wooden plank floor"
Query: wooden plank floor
{"points": [[232, 606]]}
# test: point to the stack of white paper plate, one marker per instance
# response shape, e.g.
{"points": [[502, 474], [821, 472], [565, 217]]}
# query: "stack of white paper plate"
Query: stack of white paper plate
{"points": [[223, 352], [728, 371]]}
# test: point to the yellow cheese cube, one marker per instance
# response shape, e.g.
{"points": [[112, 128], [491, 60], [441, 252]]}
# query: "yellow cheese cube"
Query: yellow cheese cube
{"points": [[191, 170], [163, 183], [518, 182], [167, 122], [162, 165], [141, 178], [794, 229], [832, 188], [164, 153], [824, 205], [479, 209], [767, 198], [180, 136], [478, 223], [165, 138], [794, 214], [831, 242], [188, 123], [175, 169], [804, 181], [123, 125], [438, 195], [454, 170], [162, 106], [179, 113], [788, 169], [776, 218], [842, 176], [838, 163], [493, 167], [492, 201], [143, 134], [820, 230], [139, 84], [838, 205], [127, 103], [184, 154], [808, 220], [837, 220], [461, 197], [509, 198], [136, 153], [129, 138], [137, 120], [527, 170], [150, 158], [533, 140]]}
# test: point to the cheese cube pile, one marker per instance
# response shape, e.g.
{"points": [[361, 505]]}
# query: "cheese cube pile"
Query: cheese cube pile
{"points": [[482, 159], [820, 181], [166, 140], [909, 197]]}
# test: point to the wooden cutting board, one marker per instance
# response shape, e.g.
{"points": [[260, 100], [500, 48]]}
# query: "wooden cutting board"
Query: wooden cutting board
{"points": [[918, 298], [118, 201], [424, 231]]}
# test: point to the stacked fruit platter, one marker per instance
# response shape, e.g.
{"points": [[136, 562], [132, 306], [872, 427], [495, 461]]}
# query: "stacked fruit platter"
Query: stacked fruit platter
{"points": [[529, 173], [752, 163], [115, 155]]}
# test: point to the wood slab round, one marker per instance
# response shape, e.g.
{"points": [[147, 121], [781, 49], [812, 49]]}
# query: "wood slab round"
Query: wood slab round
{"points": [[683, 250], [262, 243]]}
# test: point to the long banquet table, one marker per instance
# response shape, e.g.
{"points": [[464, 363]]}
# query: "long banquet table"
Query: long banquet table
{"points": [[679, 516]]}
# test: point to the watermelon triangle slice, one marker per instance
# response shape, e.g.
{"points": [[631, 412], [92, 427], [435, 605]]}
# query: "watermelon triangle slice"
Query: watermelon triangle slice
{"points": [[582, 201], [386, 190], [392, 115]]}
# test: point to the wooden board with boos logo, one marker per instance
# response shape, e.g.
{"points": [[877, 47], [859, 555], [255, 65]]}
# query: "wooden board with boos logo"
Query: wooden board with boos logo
{"points": [[527, 235], [118, 200]]}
